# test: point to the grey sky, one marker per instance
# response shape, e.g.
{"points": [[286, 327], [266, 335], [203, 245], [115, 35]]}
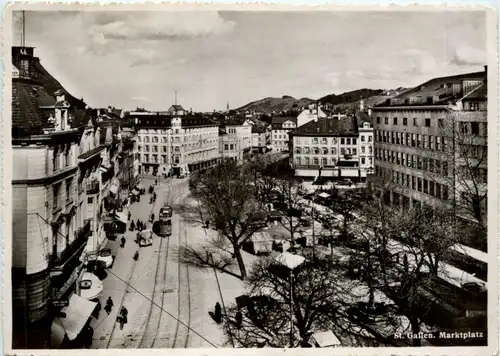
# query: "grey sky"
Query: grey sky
{"points": [[129, 59]]}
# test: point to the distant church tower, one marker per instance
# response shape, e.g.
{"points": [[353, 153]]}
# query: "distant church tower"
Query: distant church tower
{"points": [[227, 107], [361, 105]]}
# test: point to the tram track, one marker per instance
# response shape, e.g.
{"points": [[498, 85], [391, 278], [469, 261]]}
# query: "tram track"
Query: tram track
{"points": [[127, 288], [179, 294]]}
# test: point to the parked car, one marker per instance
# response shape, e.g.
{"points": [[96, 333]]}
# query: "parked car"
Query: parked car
{"points": [[145, 238], [106, 257]]}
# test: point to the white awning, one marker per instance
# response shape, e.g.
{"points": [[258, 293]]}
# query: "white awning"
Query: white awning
{"points": [[95, 289], [121, 216], [77, 313], [326, 339], [324, 195], [56, 335], [290, 260]]}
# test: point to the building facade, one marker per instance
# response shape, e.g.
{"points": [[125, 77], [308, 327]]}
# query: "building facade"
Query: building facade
{"points": [[327, 148], [49, 231], [175, 145], [281, 126], [365, 143], [261, 139], [235, 139], [416, 140]]}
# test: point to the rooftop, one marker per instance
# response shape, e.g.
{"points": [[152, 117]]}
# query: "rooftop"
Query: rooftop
{"points": [[480, 93], [328, 127], [438, 91], [278, 120]]}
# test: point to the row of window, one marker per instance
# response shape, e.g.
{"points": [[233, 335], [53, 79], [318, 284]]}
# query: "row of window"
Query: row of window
{"points": [[56, 193], [413, 161], [464, 127], [430, 142], [421, 185], [306, 161], [332, 150], [188, 146]]}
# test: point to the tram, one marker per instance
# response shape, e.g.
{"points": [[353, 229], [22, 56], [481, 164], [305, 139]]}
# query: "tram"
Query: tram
{"points": [[165, 221]]}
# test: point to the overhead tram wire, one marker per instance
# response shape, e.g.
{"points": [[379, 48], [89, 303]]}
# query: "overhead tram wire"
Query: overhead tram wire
{"points": [[153, 302]]}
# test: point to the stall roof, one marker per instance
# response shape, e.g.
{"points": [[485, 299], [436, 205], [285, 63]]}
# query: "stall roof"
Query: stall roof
{"points": [[289, 260], [326, 339], [77, 313], [324, 195]]}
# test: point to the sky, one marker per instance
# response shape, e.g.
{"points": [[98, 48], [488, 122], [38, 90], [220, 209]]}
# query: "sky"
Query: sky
{"points": [[138, 59]]}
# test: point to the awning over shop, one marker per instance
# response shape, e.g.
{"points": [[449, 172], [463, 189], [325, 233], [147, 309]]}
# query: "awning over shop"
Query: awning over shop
{"points": [[56, 336], [95, 289], [121, 217], [135, 192], [77, 313]]}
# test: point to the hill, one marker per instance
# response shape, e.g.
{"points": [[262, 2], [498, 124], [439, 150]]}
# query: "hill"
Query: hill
{"points": [[350, 101], [268, 105]]}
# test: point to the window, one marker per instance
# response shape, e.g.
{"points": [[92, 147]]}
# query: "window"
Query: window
{"points": [[427, 122], [445, 168], [386, 121], [425, 162], [324, 162], [438, 143], [413, 140], [405, 121], [413, 161], [155, 139], [475, 128], [431, 142], [333, 151], [378, 119], [306, 150], [315, 161], [315, 141], [419, 162], [369, 138], [325, 150], [306, 161], [398, 158], [146, 148], [146, 158], [324, 141], [464, 129], [362, 149], [297, 161], [431, 188], [354, 141], [407, 139], [419, 185], [426, 186], [342, 141], [354, 151], [155, 158], [316, 150], [164, 149], [146, 139], [441, 123], [164, 158], [413, 183], [415, 121], [348, 141], [362, 160], [297, 150], [55, 195], [155, 148], [139, 139], [342, 151], [395, 121], [403, 159], [370, 149], [362, 138], [438, 166], [69, 182], [334, 161], [231, 147], [55, 161], [66, 157], [445, 192], [431, 164]]}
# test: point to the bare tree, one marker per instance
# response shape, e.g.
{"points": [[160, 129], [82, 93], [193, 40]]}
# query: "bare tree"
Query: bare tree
{"points": [[309, 300], [226, 194], [291, 205], [458, 164]]}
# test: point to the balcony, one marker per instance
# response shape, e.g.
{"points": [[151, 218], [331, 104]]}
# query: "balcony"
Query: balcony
{"points": [[72, 249], [92, 187]]}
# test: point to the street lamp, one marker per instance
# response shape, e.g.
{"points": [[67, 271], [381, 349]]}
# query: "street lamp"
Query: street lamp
{"points": [[290, 261]]}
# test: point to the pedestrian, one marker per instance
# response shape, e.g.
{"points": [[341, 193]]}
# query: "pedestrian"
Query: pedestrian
{"points": [[90, 337], [123, 242], [136, 257], [218, 312], [109, 304], [129, 216], [239, 319], [207, 224], [138, 224], [132, 226], [156, 182]]}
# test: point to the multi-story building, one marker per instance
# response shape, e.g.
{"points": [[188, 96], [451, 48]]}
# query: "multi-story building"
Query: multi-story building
{"points": [[261, 139], [235, 139], [175, 145], [49, 226], [281, 126], [416, 141], [365, 143], [328, 148]]}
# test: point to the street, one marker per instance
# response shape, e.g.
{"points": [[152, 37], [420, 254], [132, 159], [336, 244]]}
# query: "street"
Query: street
{"points": [[167, 302]]}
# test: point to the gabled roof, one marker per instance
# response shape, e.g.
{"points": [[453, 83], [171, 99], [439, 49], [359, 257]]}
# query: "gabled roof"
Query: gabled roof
{"points": [[177, 107], [281, 119], [480, 93], [363, 117], [328, 127]]}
